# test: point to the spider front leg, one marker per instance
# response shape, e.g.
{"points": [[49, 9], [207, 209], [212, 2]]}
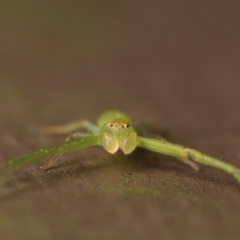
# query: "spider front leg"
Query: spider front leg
{"points": [[190, 163], [185, 153], [66, 129], [70, 137], [17, 163], [163, 146], [71, 127]]}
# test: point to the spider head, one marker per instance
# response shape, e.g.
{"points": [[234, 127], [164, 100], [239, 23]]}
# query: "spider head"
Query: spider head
{"points": [[118, 134]]}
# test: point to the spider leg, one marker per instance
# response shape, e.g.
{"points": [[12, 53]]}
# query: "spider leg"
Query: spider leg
{"points": [[190, 163], [167, 148], [207, 160], [186, 153], [71, 127], [17, 163], [70, 137]]}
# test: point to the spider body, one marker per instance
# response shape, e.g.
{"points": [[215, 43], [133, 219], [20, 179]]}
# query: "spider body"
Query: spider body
{"points": [[114, 130], [117, 133]]}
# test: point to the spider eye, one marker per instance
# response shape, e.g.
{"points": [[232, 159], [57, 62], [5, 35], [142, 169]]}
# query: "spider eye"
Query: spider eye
{"points": [[127, 126], [110, 125]]}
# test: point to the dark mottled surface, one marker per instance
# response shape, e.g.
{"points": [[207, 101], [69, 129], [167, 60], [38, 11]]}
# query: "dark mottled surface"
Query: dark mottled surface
{"points": [[173, 64]]}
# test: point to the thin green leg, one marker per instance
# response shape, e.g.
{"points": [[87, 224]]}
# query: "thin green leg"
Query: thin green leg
{"points": [[70, 137], [22, 161], [71, 127], [186, 153]]}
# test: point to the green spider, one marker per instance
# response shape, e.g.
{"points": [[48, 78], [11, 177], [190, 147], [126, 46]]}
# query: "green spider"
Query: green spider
{"points": [[113, 131]]}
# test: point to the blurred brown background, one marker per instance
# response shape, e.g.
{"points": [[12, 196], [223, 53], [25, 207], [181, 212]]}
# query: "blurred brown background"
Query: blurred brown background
{"points": [[171, 63]]}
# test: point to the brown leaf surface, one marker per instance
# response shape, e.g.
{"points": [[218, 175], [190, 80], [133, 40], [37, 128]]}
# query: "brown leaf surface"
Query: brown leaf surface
{"points": [[170, 63]]}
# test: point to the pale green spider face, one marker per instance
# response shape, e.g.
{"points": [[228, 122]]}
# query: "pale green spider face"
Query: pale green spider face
{"points": [[119, 135]]}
